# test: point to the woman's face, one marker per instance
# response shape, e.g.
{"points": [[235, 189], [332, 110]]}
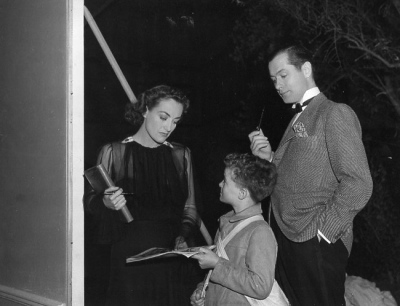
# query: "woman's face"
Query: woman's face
{"points": [[162, 119]]}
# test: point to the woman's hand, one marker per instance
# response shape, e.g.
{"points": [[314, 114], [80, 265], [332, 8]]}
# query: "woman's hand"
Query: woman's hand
{"points": [[115, 200], [260, 145], [180, 243], [196, 299], [207, 259]]}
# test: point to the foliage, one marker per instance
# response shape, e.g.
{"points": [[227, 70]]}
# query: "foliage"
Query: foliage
{"points": [[353, 40], [376, 228]]}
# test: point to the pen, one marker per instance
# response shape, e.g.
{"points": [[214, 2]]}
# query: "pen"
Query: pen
{"points": [[259, 124], [124, 193]]}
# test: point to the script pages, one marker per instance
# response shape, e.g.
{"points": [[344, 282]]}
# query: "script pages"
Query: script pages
{"points": [[165, 252]]}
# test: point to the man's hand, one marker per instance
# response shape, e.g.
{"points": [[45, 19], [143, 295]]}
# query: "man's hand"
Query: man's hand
{"points": [[260, 145], [196, 299], [207, 258], [113, 198]]}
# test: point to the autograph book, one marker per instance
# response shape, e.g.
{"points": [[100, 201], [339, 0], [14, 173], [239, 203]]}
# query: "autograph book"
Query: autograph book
{"points": [[165, 252]]}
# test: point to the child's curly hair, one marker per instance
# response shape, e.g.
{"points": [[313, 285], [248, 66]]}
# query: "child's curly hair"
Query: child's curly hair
{"points": [[253, 173]]}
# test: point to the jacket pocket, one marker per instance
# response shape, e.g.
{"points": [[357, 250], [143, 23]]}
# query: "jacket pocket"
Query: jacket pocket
{"points": [[310, 199]]}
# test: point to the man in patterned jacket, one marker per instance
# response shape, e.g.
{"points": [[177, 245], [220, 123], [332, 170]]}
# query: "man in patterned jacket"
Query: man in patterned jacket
{"points": [[323, 182]]}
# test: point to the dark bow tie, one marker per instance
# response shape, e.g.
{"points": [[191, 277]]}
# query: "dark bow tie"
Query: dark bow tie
{"points": [[299, 107]]}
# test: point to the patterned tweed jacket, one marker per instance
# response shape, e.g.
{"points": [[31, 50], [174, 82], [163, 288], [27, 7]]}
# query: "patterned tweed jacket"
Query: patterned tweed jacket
{"points": [[323, 174]]}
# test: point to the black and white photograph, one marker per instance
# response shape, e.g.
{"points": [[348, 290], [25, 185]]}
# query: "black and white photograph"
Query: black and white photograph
{"points": [[200, 152]]}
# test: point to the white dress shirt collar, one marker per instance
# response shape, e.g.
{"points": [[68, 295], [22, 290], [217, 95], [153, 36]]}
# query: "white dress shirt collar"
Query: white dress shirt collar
{"points": [[311, 93]]}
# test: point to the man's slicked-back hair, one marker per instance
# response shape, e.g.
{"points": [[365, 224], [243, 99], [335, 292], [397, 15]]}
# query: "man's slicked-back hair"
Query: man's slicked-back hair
{"points": [[297, 55]]}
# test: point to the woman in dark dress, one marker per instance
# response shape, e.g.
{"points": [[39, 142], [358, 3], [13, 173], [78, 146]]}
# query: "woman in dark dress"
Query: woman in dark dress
{"points": [[160, 176]]}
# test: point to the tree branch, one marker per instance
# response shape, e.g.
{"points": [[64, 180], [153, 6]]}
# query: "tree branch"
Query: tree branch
{"points": [[359, 45], [390, 92], [396, 4], [369, 81]]}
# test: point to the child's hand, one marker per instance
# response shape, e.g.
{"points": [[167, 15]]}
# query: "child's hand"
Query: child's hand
{"points": [[196, 299], [207, 258]]}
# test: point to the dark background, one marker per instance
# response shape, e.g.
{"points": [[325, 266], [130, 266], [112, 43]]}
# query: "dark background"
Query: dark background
{"points": [[154, 45], [187, 44]]}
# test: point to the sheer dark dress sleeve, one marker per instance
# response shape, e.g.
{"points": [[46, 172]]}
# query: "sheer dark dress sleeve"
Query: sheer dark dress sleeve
{"points": [[190, 216], [108, 226]]}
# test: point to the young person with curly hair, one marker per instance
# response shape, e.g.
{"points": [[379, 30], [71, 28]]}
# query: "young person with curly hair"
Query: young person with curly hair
{"points": [[244, 264]]}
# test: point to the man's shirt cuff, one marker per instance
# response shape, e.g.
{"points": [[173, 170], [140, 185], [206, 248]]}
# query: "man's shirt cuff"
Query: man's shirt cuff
{"points": [[323, 236]]}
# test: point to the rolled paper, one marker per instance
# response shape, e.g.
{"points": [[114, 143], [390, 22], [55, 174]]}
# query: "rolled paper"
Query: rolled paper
{"points": [[100, 180], [125, 214]]}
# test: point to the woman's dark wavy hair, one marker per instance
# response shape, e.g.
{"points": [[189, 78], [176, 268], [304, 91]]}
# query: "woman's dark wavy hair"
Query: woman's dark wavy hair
{"points": [[151, 98], [257, 175]]}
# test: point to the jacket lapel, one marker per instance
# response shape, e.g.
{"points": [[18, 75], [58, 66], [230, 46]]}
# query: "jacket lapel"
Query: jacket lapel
{"points": [[289, 134], [309, 115], [305, 118]]}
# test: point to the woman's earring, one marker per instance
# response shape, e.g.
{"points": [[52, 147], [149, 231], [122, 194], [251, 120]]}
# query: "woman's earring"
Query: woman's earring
{"points": [[145, 113]]}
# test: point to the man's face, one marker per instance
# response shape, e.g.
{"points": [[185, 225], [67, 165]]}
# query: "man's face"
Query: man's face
{"points": [[290, 82]]}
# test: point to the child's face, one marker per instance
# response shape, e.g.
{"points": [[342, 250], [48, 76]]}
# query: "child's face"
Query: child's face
{"points": [[229, 189]]}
